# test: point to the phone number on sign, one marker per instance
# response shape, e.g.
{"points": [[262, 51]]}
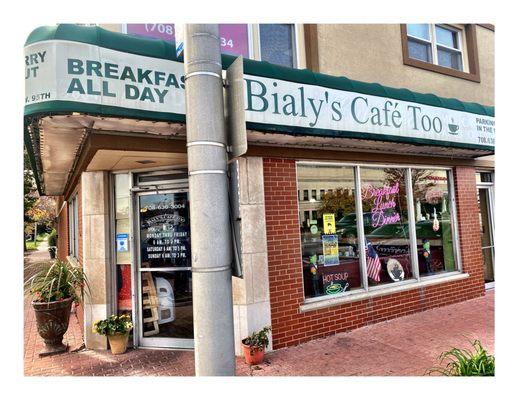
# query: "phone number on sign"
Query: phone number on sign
{"points": [[160, 28]]}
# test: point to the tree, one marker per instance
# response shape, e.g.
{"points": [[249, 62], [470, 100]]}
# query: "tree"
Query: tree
{"points": [[29, 185], [420, 183], [339, 202], [29, 193], [43, 211]]}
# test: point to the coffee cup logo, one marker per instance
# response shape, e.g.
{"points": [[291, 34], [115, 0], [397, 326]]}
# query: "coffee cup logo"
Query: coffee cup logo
{"points": [[453, 129]]}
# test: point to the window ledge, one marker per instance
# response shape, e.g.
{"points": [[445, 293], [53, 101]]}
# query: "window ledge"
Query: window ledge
{"points": [[72, 260], [441, 70], [357, 296]]}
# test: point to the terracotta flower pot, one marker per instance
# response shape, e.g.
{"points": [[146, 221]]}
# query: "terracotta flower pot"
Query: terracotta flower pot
{"points": [[118, 342], [253, 357], [52, 322]]}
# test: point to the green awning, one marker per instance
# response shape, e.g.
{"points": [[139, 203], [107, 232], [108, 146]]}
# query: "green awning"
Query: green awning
{"points": [[161, 49]]}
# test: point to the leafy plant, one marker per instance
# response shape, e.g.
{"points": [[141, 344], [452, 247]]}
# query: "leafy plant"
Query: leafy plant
{"points": [[465, 362], [58, 281], [52, 238], [112, 325], [258, 340]]}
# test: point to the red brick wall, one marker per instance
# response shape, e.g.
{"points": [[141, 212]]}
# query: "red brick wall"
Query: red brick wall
{"points": [[63, 236], [290, 326], [80, 225], [79, 309], [62, 229]]}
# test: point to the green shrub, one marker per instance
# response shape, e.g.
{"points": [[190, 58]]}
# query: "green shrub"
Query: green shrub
{"points": [[52, 238], [465, 362]]}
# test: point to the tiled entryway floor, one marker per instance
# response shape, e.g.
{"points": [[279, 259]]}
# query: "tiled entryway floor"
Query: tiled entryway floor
{"points": [[404, 346]]}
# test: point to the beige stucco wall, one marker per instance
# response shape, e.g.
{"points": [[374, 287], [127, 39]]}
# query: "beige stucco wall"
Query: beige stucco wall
{"points": [[112, 27], [373, 53]]}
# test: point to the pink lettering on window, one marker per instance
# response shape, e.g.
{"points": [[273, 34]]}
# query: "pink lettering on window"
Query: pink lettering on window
{"points": [[383, 198]]}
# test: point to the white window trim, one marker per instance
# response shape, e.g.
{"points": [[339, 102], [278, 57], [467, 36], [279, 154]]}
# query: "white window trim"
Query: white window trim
{"points": [[461, 38], [367, 291]]}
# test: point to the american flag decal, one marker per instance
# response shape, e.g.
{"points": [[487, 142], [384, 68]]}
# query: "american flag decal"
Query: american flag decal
{"points": [[373, 263]]}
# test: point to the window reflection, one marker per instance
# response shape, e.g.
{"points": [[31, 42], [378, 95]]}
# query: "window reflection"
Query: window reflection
{"points": [[385, 225], [433, 223], [328, 219], [330, 252]]}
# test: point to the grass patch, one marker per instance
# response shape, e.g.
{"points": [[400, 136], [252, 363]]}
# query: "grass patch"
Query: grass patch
{"points": [[31, 245]]}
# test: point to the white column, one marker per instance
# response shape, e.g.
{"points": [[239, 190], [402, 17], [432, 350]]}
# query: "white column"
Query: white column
{"points": [[96, 253], [251, 294]]}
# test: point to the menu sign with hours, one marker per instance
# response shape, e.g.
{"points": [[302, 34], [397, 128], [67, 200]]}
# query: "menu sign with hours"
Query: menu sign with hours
{"points": [[164, 230]]}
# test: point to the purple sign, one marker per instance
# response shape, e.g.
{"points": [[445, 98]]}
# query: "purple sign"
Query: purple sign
{"points": [[155, 31], [234, 39]]}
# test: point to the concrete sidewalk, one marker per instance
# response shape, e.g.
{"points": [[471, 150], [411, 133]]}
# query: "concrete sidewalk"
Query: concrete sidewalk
{"points": [[406, 346]]}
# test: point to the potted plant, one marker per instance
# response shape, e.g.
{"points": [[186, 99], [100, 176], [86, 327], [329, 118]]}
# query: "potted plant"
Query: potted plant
{"points": [[54, 288], [52, 241], [117, 328], [254, 345]]}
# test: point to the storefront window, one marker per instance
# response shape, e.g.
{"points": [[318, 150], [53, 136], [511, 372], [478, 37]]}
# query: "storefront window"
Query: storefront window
{"points": [[336, 257], [433, 224], [385, 225], [330, 252]]}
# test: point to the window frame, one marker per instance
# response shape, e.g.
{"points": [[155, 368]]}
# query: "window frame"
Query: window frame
{"points": [[435, 45], [401, 285], [460, 39], [468, 51]]}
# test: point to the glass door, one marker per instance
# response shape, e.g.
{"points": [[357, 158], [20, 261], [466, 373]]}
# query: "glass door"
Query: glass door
{"points": [[485, 203], [164, 275]]}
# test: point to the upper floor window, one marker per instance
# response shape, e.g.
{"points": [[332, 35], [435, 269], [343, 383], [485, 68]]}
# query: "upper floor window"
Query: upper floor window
{"points": [[447, 49], [435, 44], [277, 44]]}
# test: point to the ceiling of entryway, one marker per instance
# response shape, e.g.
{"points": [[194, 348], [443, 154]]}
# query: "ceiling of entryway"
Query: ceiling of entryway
{"points": [[115, 160]]}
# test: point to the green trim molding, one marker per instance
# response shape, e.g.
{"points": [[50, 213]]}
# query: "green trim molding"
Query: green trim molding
{"points": [[65, 107]]}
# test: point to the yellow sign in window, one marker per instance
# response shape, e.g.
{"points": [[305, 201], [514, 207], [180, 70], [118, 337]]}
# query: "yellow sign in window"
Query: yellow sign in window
{"points": [[329, 223]]}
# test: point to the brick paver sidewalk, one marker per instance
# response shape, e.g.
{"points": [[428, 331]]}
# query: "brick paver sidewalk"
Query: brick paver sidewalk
{"points": [[404, 346]]}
